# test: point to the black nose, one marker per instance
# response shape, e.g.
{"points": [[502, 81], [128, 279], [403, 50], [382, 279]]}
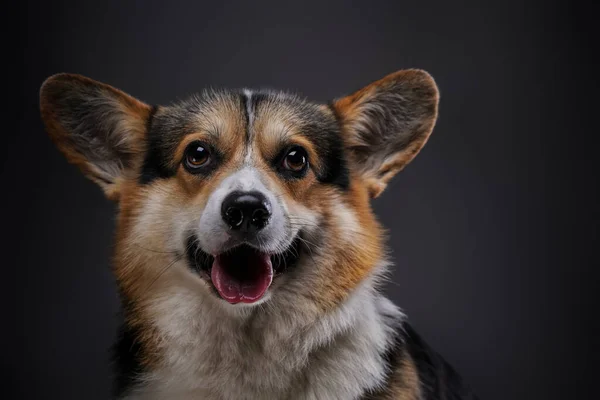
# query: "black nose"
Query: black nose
{"points": [[246, 212]]}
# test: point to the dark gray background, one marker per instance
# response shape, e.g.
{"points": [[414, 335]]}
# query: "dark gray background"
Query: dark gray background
{"points": [[494, 227]]}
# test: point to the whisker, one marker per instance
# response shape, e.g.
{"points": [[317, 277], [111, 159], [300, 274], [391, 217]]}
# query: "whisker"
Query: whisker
{"points": [[310, 252], [162, 272], [177, 258]]}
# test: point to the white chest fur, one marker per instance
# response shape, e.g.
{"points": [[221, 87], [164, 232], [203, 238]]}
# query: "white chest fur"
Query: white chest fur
{"points": [[281, 351]]}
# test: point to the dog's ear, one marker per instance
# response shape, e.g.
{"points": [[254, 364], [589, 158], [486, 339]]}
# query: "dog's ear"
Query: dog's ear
{"points": [[386, 124], [99, 128]]}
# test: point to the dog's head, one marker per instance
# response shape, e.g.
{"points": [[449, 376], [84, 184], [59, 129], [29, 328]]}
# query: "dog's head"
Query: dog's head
{"points": [[243, 195]]}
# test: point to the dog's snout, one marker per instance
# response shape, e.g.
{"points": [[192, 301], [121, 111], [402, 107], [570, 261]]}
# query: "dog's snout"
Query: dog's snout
{"points": [[246, 212]]}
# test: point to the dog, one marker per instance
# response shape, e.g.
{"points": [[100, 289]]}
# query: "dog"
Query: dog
{"points": [[248, 259]]}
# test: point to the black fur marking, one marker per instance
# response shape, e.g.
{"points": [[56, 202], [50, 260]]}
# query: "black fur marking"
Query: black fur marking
{"points": [[326, 135], [126, 361], [336, 171], [154, 164], [257, 98], [153, 167], [151, 118], [438, 379], [337, 161], [244, 108]]}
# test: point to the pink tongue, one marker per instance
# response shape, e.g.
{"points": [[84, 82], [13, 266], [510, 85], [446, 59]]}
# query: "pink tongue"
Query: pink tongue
{"points": [[242, 280]]}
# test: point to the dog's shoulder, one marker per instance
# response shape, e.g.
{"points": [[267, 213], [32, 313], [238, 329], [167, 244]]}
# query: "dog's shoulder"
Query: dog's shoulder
{"points": [[416, 371]]}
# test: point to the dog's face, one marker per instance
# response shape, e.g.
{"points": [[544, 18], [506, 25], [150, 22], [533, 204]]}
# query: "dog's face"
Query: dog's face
{"points": [[243, 196]]}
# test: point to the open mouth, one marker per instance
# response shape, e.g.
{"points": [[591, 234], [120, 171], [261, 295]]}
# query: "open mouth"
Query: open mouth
{"points": [[242, 274]]}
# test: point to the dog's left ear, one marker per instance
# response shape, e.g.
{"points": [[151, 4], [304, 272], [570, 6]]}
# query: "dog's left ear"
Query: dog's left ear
{"points": [[386, 123]]}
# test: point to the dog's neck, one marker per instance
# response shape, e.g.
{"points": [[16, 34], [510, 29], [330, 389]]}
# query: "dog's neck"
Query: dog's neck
{"points": [[280, 349]]}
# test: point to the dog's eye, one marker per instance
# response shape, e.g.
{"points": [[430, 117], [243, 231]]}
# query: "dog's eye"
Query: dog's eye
{"points": [[296, 160], [196, 156]]}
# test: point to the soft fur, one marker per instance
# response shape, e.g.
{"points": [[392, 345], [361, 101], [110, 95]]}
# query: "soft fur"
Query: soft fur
{"points": [[323, 330]]}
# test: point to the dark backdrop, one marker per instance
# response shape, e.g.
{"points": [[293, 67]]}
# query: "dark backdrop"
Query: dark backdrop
{"points": [[493, 227]]}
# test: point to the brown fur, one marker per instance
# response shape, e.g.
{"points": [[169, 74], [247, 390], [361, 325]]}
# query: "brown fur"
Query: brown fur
{"points": [[405, 382]]}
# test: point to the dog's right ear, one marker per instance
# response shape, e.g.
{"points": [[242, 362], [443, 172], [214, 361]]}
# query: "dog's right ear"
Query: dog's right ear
{"points": [[99, 128]]}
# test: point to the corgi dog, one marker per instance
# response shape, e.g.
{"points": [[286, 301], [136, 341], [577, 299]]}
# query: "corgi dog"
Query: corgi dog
{"points": [[248, 259]]}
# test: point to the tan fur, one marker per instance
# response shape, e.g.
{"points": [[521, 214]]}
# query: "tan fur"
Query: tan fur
{"points": [[405, 382], [346, 266]]}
